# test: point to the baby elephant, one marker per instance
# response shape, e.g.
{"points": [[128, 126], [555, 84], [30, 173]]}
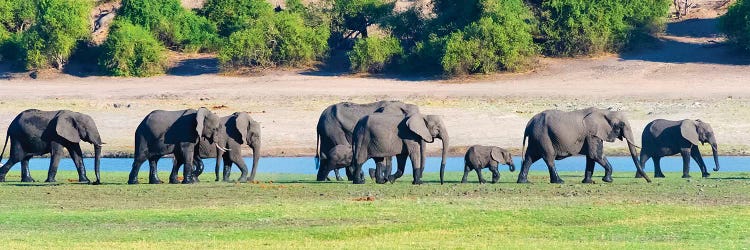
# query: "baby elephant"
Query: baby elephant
{"points": [[340, 156], [479, 157]]}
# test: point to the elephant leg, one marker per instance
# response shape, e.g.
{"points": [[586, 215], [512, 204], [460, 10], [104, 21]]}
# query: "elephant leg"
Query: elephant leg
{"points": [[607, 168], [153, 177], [657, 168], [525, 166], [644, 159], [495, 173], [479, 176], [77, 156], [56, 153], [198, 163], [685, 163], [138, 160], [187, 151], [176, 163], [237, 159], [227, 171], [553, 176], [338, 176], [323, 171], [6, 167], [25, 173], [400, 167], [379, 169], [416, 167], [388, 167], [466, 173], [696, 154], [589, 170]]}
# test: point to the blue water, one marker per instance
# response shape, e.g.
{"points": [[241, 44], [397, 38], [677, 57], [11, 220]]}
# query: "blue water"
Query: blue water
{"points": [[306, 165]]}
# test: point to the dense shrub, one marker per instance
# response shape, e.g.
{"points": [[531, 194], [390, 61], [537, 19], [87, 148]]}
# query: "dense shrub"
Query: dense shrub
{"points": [[736, 24], [352, 17], [281, 39], [574, 27], [175, 26], [131, 50], [374, 54], [47, 32], [235, 15], [16, 16]]}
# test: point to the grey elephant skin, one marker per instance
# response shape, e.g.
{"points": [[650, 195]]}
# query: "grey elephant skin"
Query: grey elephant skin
{"points": [[35, 132], [339, 157], [382, 136], [239, 129], [478, 157], [664, 138], [173, 132], [336, 125], [555, 135]]}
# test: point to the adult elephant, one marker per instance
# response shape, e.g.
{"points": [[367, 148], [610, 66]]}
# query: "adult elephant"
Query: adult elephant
{"points": [[336, 124], [173, 132], [555, 135], [664, 138], [35, 132], [382, 136], [239, 129]]}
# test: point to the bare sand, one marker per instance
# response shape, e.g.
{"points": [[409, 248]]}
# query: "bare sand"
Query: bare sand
{"points": [[689, 74]]}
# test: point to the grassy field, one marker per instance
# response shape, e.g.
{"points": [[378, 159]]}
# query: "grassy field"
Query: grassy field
{"points": [[293, 212]]}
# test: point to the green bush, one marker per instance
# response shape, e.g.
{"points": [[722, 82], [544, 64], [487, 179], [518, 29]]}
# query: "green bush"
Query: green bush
{"points": [[175, 26], [351, 18], [736, 24], [17, 16], [574, 27], [235, 15], [131, 50], [281, 39], [374, 54], [52, 35]]}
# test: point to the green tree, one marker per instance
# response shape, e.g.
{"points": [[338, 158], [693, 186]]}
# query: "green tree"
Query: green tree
{"points": [[352, 17], [175, 26], [736, 24], [235, 15], [374, 54]]}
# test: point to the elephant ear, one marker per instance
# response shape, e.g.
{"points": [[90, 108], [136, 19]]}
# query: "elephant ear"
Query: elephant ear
{"points": [[497, 155], [200, 116], [242, 121], [689, 131], [418, 125], [67, 127], [598, 125]]}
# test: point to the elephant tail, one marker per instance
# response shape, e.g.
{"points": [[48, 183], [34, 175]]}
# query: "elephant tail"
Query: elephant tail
{"points": [[4, 145], [523, 146], [317, 151]]}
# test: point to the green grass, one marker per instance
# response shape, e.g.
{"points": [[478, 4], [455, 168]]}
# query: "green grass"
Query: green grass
{"points": [[294, 212]]}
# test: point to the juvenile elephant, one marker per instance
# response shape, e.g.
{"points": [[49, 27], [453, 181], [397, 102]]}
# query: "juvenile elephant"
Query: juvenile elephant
{"points": [[35, 132], [555, 135], [478, 157], [239, 129], [664, 138], [336, 124], [382, 136], [173, 132], [339, 157]]}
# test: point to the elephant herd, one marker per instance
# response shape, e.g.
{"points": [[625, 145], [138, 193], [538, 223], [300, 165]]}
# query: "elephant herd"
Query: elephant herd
{"points": [[349, 134]]}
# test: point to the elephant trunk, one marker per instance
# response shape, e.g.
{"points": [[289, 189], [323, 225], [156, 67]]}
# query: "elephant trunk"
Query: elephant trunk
{"points": [[634, 155], [97, 165], [219, 153], [256, 158], [444, 138], [715, 149]]}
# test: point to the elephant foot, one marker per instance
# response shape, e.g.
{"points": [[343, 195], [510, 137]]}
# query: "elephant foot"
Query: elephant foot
{"points": [[371, 171], [84, 180], [660, 175], [638, 175], [173, 181], [132, 182], [339, 179], [50, 180], [28, 179], [706, 175], [464, 181], [188, 181], [482, 181], [685, 176], [96, 183], [524, 180], [558, 181], [607, 179], [494, 181], [392, 178], [2, 179], [359, 181], [155, 181], [587, 180], [417, 182], [241, 179]]}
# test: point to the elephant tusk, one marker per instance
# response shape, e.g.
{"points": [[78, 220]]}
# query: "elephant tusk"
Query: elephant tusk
{"points": [[222, 148]]}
